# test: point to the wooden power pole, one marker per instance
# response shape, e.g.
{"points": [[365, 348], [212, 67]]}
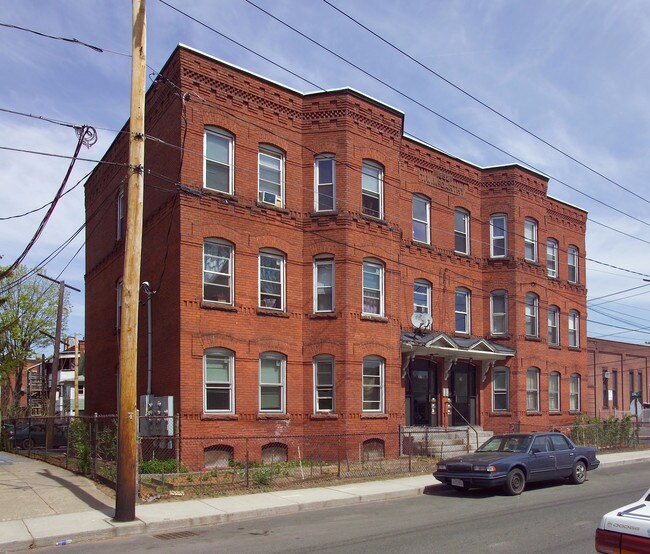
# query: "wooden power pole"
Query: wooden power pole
{"points": [[127, 413]]}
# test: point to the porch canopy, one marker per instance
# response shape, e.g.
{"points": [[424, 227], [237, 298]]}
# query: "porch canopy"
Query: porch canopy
{"points": [[452, 349]]}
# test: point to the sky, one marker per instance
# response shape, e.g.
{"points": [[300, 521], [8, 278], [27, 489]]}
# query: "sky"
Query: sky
{"points": [[573, 73]]}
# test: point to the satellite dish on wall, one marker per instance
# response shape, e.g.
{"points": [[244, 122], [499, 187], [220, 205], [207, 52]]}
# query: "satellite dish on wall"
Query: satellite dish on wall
{"points": [[420, 320]]}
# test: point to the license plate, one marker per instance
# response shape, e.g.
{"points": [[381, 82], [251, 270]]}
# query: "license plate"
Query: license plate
{"points": [[457, 482]]}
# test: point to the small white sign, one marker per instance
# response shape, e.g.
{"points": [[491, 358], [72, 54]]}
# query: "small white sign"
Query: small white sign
{"points": [[610, 395], [636, 407]]}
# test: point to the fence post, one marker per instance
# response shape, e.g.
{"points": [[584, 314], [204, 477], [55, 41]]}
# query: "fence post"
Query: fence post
{"points": [[177, 441], [248, 484], [410, 449], [338, 456], [67, 441]]}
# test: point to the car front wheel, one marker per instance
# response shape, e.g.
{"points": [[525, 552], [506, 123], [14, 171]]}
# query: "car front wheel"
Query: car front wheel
{"points": [[515, 482], [579, 473], [27, 444]]}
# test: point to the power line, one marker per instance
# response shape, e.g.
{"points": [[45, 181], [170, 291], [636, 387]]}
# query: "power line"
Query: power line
{"points": [[484, 104], [73, 40]]}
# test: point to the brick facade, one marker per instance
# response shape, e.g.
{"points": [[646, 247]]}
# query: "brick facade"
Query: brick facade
{"points": [[199, 92]]}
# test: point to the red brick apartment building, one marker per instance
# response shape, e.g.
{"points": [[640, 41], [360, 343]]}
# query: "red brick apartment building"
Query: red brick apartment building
{"points": [[319, 272], [617, 373]]}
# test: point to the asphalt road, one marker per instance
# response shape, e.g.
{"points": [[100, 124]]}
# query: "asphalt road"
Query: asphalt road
{"points": [[558, 518]]}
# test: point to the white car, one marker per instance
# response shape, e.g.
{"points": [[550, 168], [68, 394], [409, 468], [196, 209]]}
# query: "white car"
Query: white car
{"points": [[626, 529]]}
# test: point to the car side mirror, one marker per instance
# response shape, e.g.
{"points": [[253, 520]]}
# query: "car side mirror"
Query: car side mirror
{"points": [[535, 451]]}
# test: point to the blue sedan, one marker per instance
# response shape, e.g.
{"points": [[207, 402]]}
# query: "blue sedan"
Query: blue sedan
{"points": [[512, 460]]}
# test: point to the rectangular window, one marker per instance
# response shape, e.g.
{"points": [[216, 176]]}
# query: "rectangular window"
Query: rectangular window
{"points": [[532, 390], [574, 393], [421, 297], [324, 383], [551, 258], [532, 304], [420, 212], [461, 309], [271, 176], [271, 281], [272, 382], [554, 392], [574, 326], [325, 176], [372, 189], [499, 308], [530, 240], [498, 237], [218, 380], [217, 272], [324, 285], [461, 232], [218, 161], [373, 288], [606, 376], [553, 326], [120, 214], [373, 384], [614, 389], [572, 253], [500, 389]]}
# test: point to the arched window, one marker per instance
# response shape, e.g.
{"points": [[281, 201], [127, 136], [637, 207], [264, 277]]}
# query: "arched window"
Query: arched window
{"points": [[325, 183], [554, 325], [324, 383], [532, 312], [270, 181], [532, 389], [500, 389], [572, 257], [498, 236], [218, 154], [219, 380], [373, 384], [551, 258], [530, 239], [421, 215], [554, 392], [275, 452], [324, 283], [218, 271], [461, 231], [272, 279], [272, 382], [373, 449], [422, 298], [218, 456], [574, 393], [373, 287], [372, 189], [574, 329], [462, 310], [499, 312]]}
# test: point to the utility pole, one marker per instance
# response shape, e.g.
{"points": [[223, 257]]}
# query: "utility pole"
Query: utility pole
{"points": [[126, 445], [51, 411]]}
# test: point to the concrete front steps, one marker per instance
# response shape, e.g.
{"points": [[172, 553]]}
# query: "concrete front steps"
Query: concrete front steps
{"points": [[442, 443]]}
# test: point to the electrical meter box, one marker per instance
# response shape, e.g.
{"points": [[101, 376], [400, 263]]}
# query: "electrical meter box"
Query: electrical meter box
{"points": [[156, 416]]}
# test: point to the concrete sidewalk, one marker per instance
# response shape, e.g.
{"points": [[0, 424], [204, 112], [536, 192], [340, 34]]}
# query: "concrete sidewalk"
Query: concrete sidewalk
{"points": [[41, 504]]}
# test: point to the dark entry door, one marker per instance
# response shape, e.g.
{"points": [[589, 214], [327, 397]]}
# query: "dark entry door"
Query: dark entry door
{"points": [[421, 391], [462, 390]]}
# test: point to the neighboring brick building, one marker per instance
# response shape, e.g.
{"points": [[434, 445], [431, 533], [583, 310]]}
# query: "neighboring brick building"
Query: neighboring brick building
{"points": [[318, 272], [615, 370]]}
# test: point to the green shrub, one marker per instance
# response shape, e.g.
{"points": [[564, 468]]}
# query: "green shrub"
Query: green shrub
{"points": [[155, 466], [79, 441]]}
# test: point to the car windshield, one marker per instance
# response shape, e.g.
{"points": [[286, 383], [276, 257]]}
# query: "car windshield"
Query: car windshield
{"points": [[519, 443]]}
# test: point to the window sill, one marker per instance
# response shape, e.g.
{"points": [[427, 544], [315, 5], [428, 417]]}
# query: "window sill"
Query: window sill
{"points": [[272, 417], [500, 337], [323, 213], [502, 414], [373, 219], [374, 416], [555, 346], [322, 315], [210, 305], [462, 254], [533, 339], [534, 414], [575, 349], [375, 318], [500, 259], [324, 416], [420, 244], [554, 414], [219, 417], [225, 197], [532, 262], [272, 313], [265, 206]]}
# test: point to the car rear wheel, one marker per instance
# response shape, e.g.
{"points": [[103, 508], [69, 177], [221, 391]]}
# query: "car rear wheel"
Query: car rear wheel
{"points": [[27, 444], [579, 473], [515, 482]]}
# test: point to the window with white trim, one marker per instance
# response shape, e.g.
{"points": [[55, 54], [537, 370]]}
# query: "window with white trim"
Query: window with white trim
{"points": [[500, 389], [462, 310], [554, 392], [372, 189], [271, 280], [532, 389], [219, 380], [324, 383], [554, 325], [530, 239], [325, 183], [271, 176], [461, 231], [422, 298], [120, 214], [218, 153], [498, 236], [532, 313], [421, 216], [324, 284], [572, 255], [574, 329], [551, 258], [499, 312], [373, 287], [373, 384], [217, 271], [574, 392], [272, 382]]}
